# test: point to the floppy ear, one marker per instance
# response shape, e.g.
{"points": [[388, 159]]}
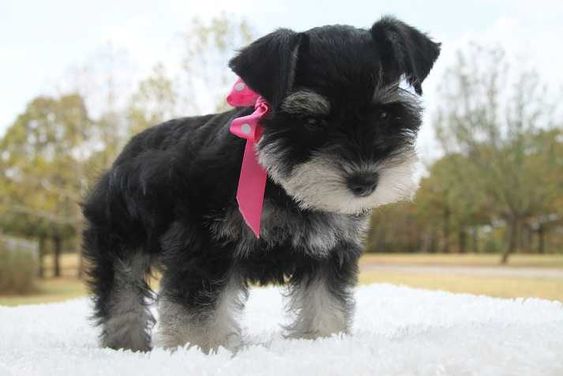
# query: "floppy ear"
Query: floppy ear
{"points": [[405, 50], [268, 64]]}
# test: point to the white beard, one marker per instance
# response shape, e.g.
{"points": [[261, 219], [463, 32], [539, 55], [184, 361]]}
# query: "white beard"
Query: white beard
{"points": [[320, 182]]}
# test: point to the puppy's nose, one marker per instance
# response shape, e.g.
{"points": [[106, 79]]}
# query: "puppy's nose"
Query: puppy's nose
{"points": [[362, 185]]}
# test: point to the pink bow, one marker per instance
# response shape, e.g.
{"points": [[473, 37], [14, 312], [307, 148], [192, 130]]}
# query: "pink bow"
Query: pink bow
{"points": [[252, 180]]}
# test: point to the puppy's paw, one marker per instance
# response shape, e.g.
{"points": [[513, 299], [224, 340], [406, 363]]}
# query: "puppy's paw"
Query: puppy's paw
{"points": [[207, 342], [312, 334]]}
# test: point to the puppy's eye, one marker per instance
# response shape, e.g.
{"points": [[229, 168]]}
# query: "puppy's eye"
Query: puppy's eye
{"points": [[314, 124], [383, 115]]}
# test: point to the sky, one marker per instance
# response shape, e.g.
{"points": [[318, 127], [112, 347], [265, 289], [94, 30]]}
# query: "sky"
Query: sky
{"points": [[40, 41]]}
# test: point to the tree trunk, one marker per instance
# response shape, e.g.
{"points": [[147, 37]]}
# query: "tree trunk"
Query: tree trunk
{"points": [[462, 240], [434, 241], [79, 221], [541, 239], [57, 250], [512, 240], [42, 251], [475, 236], [526, 238], [78, 248], [446, 247], [382, 241]]}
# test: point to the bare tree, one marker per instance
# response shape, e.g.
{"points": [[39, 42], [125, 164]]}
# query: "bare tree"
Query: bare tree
{"points": [[491, 113], [153, 102], [206, 78]]}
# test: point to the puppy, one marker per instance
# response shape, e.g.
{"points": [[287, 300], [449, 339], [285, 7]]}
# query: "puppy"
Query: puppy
{"points": [[337, 143]]}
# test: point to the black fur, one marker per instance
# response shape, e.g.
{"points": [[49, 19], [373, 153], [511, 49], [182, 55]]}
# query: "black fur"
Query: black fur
{"points": [[169, 198]]}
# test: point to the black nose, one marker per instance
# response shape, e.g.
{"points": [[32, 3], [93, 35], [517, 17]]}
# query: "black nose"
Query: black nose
{"points": [[363, 185]]}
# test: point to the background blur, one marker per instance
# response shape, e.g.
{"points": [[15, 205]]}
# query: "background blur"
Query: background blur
{"points": [[79, 78]]}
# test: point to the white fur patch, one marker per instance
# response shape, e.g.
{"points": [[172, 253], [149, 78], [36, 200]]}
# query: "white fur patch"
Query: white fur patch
{"points": [[320, 182], [400, 91], [218, 326], [317, 312], [129, 320]]}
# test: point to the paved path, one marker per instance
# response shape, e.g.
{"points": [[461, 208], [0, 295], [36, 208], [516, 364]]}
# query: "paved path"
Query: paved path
{"points": [[489, 271]]}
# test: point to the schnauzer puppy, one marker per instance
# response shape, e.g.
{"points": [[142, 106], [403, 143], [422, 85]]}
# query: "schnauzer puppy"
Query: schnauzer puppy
{"points": [[337, 143]]}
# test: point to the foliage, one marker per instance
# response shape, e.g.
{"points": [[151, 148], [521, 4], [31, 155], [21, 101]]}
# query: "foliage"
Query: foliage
{"points": [[41, 162], [494, 118], [498, 185], [395, 228], [153, 102], [209, 46], [59, 144], [18, 269]]}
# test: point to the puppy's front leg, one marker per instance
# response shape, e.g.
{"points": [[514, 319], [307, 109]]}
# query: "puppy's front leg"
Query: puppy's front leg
{"points": [[201, 296], [321, 294]]}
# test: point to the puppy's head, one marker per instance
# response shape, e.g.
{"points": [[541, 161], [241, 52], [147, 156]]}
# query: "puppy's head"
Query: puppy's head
{"points": [[341, 133]]}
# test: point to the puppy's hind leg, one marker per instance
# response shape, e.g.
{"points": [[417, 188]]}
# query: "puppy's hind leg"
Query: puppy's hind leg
{"points": [[120, 294]]}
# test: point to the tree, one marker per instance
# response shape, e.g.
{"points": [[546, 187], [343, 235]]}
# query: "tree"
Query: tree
{"points": [[490, 113], [42, 163], [153, 102], [206, 78], [550, 164], [445, 204], [61, 143], [394, 228], [104, 84]]}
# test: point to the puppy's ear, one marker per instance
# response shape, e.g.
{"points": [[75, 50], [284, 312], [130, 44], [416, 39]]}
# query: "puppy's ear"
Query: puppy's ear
{"points": [[268, 64], [405, 50]]}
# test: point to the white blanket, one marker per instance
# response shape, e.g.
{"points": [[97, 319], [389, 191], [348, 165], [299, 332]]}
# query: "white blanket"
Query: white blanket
{"points": [[397, 331]]}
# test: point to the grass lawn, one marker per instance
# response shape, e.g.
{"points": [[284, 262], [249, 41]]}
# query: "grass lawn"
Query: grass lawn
{"points": [[68, 287], [518, 260], [48, 291], [503, 287]]}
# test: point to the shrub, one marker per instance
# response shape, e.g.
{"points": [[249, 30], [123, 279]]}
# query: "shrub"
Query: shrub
{"points": [[18, 268]]}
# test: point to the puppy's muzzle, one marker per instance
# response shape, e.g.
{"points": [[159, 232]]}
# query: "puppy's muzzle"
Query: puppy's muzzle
{"points": [[362, 185]]}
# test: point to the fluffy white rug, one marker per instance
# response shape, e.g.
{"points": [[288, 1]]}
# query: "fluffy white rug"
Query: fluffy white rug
{"points": [[397, 331]]}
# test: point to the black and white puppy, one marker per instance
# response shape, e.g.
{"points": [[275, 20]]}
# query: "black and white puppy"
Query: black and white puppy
{"points": [[337, 143]]}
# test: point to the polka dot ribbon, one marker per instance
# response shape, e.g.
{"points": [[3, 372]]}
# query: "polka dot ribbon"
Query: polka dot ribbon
{"points": [[252, 180]]}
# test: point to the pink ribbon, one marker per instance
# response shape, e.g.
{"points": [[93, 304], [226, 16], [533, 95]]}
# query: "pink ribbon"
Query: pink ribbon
{"points": [[252, 180]]}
